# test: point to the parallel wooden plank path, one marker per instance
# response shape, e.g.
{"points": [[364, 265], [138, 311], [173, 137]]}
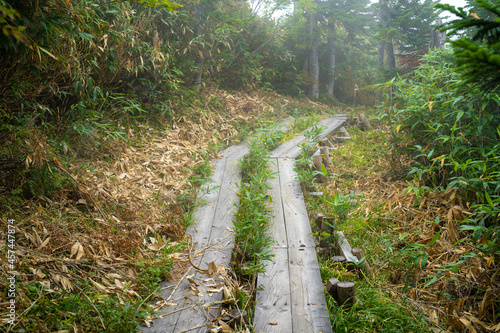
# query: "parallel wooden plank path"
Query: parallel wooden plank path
{"points": [[291, 297]]}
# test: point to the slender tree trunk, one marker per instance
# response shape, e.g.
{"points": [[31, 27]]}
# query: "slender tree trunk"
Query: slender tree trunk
{"points": [[391, 61], [437, 38], [380, 67], [313, 90], [380, 58], [197, 33], [331, 58]]}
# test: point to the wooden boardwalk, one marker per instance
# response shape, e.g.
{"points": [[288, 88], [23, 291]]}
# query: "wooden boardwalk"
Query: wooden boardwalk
{"points": [[291, 296]]}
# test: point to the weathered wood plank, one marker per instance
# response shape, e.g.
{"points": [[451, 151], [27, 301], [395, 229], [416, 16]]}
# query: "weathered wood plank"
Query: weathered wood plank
{"points": [[277, 228], [273, 300], [239, 150], [204, 214], [309, 312], [292, 149], [226, 205], [207, 303], [344, 247], [297, 224]]}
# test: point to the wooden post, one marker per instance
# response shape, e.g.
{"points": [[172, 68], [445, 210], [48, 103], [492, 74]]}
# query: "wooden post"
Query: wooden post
{"points": [[363, 122], [325, 153], [331, 288], [339, 259], [318, 162], [358, 253], [345, 293]]}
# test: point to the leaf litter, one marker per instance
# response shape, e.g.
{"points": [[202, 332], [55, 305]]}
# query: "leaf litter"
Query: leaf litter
{"points": [[125, 204]]}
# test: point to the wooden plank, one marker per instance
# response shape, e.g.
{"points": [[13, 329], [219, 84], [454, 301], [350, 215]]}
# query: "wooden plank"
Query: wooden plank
{"points": [[291, 149], [277, 228], [344, 247], [288, 149], [221, 242], [240, 150], [235, 152], [226, 205], [309, 312], [207, 303], [204, 214], [298, 228], [273, 296]]}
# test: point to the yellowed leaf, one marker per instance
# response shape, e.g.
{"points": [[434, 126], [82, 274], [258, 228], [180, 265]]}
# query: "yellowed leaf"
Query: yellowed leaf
{"points": [[99, 286], [45, 242], [225, 328], [468, 324], [212, 268], [156, 246], [119, 284], [66, 283]]}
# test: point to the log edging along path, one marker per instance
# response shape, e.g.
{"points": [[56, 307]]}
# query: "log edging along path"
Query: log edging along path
{"points": [[291, 298]]}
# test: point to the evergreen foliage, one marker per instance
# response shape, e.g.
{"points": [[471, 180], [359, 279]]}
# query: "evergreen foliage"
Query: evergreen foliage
{"points": [[477, 54]]}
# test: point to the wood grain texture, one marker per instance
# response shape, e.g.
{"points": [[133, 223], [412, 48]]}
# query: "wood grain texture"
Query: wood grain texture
{"points": [[277, 228], [344, 247], [292, 148], [204, 214], [309, 312], [294, 209], [273, 296], [294, 266], [227, 203]]}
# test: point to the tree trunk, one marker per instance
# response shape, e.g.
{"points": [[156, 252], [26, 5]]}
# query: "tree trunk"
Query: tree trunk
{"points": [[380, 58], [391, 61], [313, 89], [331, 58], [438, 38]]}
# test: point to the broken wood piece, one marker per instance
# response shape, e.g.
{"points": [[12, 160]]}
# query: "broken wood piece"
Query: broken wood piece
{"points": [[316, 194], [331, 288], [325, 153], [345, 293], [327, 224], [363, 122], [358, 253], [238, 318], [344, 249]]}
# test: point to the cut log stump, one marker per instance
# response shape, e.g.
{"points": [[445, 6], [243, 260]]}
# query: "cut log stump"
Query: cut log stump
{"points": [[345, 293]]}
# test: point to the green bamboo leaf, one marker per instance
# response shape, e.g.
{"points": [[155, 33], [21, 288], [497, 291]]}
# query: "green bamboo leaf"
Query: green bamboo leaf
{"points": [[488, 198], [435, 238]]}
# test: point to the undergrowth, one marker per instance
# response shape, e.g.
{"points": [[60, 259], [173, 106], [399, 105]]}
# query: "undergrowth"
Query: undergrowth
{"points": [[359, 210]]}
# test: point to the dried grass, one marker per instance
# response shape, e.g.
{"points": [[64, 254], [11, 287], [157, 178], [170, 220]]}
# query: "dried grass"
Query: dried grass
{"points": [[123, 207]]}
